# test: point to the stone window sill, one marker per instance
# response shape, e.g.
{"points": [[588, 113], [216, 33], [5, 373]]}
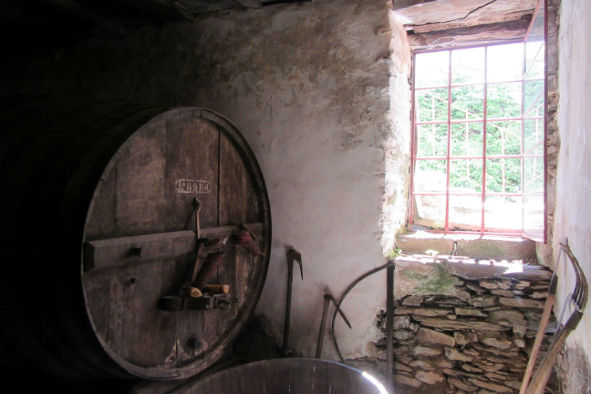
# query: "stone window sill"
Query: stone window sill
{"points": [[471, 245]]}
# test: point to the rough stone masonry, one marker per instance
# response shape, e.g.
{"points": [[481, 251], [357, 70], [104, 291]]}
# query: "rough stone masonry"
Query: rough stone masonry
{"points": [[463, 326]]}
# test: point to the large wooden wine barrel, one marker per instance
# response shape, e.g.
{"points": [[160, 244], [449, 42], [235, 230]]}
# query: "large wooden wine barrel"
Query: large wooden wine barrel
{"points": [[101, 205]]}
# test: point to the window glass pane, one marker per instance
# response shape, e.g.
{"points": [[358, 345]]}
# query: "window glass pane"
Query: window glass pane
{"points": [[430, 211], [465, 176], [533, 176], [465, 212], [503, 138], [466, 139], [432, 140], [503, 100], [432, 69], [502, 212], [430, 176], [467, 102], [534, 136], [534, 59], [503, 175], [533, 101], [533, 214], [431, 105], [504, 62], [467, 65]]}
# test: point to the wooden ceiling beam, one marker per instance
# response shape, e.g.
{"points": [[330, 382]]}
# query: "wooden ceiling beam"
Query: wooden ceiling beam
{"points": [[473, 35], [481, 20], [431, 16]]}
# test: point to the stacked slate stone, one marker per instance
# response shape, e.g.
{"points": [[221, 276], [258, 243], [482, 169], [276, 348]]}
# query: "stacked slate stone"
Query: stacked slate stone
{"points": [[476, 341]]}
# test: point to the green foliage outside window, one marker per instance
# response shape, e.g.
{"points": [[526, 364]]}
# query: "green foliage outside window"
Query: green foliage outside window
{"points": [[502, 137]]}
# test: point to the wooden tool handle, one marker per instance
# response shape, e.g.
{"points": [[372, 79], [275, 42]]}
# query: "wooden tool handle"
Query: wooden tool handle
{"points": [[209, 267], [540, 378], [191, 292], [217, 289], [535, 351]]}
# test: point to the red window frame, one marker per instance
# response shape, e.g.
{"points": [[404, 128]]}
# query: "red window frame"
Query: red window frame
{"points": [[485, 120]]}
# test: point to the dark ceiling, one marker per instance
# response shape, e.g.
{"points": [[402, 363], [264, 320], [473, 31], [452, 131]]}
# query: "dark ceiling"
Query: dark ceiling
{"points": [[29, 24]]}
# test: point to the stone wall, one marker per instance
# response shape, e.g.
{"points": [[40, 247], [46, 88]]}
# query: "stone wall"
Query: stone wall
{"points": [[544, 250], [462, 326]]}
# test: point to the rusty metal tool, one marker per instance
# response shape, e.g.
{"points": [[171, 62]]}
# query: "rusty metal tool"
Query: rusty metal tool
{"points": [[201, 272], [245, 238], [454, 249], [212, 261], [578, 300], [193, 286], [390, 323], [327, 298], [292, 255], [191, 294], [198, 241], [188, 289]]}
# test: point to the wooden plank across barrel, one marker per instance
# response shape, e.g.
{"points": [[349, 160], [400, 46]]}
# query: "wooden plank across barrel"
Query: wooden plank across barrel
{"points": [[115, 252]]}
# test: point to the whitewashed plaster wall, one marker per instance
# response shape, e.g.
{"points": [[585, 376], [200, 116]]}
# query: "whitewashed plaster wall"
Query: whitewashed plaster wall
{"points": [[320, 91], [573, 211], [330, 194]]}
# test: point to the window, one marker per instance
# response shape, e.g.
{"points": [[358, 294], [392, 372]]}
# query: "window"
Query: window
{"points": [[479, 138]]}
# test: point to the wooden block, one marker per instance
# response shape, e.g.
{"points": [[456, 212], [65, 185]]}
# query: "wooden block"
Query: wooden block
{"points": [[204, 302], [217, 289]]}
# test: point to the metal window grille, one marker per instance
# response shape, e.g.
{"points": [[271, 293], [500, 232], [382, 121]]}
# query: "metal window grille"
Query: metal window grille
{"points": [[477, 151]]}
